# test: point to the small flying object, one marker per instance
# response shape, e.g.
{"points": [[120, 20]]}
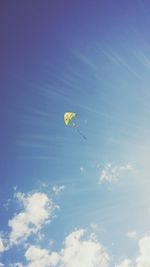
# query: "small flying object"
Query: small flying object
{"points": [[70, 120]]}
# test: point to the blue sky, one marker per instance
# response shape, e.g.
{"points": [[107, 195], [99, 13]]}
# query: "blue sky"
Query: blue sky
{"points": [[93, 58]]}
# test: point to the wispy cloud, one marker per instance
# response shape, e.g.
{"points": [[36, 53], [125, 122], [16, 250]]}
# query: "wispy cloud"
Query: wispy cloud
{"points": [[96, 228], [82, 169], [58, 188], [112, 172], [132, 234], [17, 264]]}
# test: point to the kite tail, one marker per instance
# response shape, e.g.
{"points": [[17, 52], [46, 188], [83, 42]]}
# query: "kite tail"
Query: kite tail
{"points": [[79, 132], [83, 136]]}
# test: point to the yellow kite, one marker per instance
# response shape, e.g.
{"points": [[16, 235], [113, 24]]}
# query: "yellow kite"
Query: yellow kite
{"points": [[68, 116], [69, 119]]}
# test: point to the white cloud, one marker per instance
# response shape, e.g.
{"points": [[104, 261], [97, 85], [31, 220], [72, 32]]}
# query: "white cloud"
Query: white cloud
{"points": [[143, 260], [58, 188], [76, 251], [125, 263], [111, 173], [40, 257], [132, 234], [37, 210], [2, 248], [1, 264], [85, 253]]}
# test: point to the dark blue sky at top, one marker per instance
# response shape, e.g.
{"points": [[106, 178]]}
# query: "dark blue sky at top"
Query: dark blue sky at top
{"points": [[42, 30], [37, 34]]}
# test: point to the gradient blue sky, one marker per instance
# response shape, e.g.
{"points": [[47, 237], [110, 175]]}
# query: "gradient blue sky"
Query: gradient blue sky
{"points": [[93, 58]]}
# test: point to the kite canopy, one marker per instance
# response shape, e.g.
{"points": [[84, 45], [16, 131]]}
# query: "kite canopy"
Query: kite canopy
{"points": [[68, 116]]}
